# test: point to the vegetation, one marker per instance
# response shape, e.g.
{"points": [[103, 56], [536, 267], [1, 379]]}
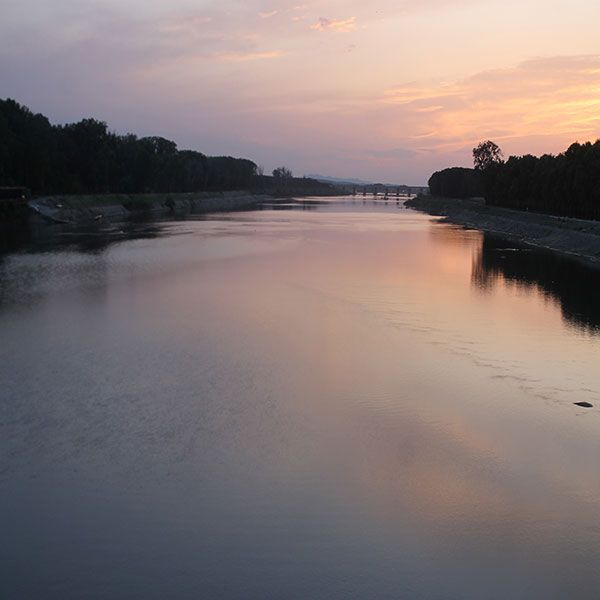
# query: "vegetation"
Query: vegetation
{"points": [[456, 182], [487, 154], [86, 157], [282, 173], [567, 184]]}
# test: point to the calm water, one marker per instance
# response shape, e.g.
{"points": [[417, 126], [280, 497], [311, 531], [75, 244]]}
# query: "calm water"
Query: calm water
{"points": [[341, 400]]}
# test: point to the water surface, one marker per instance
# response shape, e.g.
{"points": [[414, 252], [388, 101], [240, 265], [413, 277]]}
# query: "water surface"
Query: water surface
{"points": [[345, 399]]}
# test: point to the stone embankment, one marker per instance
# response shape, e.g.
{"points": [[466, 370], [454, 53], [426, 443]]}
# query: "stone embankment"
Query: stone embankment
{"points": [[577, 237], [87, 208]]}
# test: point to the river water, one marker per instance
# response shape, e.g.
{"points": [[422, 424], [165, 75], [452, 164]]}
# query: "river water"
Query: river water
{"points": [[343, 399]]}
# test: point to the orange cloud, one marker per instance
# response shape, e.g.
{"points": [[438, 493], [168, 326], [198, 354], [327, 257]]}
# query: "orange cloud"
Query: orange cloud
{"points": [[559, 95], [338, 26]]}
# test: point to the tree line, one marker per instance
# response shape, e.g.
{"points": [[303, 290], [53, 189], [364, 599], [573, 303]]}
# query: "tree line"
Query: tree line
{"points": [[86, 157], [567, 184], [456, 182]]}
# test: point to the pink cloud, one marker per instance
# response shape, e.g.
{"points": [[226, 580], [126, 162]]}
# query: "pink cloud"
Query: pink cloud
{"points": [[246, 56], [268, 14], [335, 25]]}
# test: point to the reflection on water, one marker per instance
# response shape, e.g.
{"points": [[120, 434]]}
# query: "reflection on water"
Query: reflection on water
{"points": [[24, 278], [38, 237], [573, 285], [295, 404], [353, 203]]}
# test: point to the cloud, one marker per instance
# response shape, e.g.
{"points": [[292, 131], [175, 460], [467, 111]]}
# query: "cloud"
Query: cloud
{"points": [[268, 14], [560, 95], [337, 26], [245, 56]]}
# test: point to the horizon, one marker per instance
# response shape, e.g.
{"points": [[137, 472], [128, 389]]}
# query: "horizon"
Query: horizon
{"points": [[323, 86]]}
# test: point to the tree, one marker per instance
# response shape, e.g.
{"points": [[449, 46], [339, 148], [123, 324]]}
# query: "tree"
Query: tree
{"points": [[456, 182], [282, 173], [86, 157], [487, 154]]}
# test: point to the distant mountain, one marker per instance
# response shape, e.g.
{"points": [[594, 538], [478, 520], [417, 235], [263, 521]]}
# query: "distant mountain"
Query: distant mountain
{"points": [[339, 181], [353, 181]]}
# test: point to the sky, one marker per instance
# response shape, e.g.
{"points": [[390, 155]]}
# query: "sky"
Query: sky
{"points": [[386, 90]]}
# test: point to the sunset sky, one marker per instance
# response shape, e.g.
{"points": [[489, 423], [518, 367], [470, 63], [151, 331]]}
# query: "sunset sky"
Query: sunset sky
{"points": [[387, 90]]}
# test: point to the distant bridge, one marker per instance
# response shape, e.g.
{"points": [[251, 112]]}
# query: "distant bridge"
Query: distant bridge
{"points": [[384, 190]]}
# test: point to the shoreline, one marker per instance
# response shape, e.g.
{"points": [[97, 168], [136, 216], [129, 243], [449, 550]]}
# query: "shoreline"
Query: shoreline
{"points": [[82, 209], [578, 238], [43, 220]]}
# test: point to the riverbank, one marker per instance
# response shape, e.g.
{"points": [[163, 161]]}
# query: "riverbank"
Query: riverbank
{"points": [[577, 237], [87, 208]]}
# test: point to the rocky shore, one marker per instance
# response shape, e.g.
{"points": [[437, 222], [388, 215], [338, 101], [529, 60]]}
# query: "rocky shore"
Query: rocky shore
{"points": [[577, 237]]}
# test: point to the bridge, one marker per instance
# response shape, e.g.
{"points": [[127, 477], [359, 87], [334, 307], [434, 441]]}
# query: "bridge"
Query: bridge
{"points": [[379, 189]]}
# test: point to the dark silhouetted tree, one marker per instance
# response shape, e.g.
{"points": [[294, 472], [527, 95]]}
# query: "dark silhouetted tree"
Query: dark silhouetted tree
{"points": [[456, 182], [86, 157], [282, 173], [567, 184], [487, 154]]}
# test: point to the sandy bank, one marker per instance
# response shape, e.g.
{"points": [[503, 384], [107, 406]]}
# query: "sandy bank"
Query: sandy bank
{"points": [[576, 237]]}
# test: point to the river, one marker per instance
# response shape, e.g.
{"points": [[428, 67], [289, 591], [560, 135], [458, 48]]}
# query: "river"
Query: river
{"points": [[330, 399]]}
